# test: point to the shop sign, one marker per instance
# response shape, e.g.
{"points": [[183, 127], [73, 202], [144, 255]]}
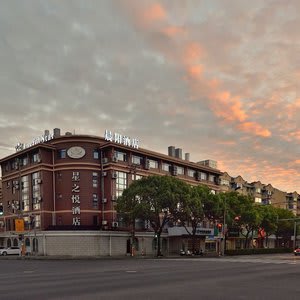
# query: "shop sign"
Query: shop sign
{"points": [[121, 139], [200, 231]]}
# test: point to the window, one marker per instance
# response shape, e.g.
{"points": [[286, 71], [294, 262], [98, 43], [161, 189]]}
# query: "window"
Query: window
{"points": [[153, 164], [25, 161], [36, 158], [121, 156], [180, 170], [121, 183], [36, 191], [95, 179], [137, 160], [62, 153], [37, 221], [95, 201], [96, 154], [211, 178], [203, 176], [191, 173], [13, 165], [166, 167], [225, 182], [257, 200]]}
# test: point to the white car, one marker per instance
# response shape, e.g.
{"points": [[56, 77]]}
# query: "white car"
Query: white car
{"points": [[10, 251]]}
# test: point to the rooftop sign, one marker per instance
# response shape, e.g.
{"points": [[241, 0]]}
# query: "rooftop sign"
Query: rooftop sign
{"points": [[39, 139], [121, 139]]}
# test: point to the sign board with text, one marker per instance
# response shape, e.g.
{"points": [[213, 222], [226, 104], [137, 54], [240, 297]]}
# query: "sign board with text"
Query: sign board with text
{"points": [[19, 225]]}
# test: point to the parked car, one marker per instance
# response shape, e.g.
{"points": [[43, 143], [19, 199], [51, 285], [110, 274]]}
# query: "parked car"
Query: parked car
{"points": [[10, 251], [297, 251]]}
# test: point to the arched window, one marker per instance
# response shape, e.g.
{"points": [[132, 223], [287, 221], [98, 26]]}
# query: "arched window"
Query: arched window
{"points": [[16, 242], [27, 242], [8, 243]]}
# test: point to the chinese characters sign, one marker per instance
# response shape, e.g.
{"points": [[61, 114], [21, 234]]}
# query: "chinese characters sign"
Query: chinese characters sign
{"points": [[75, 199], [121, 139]]}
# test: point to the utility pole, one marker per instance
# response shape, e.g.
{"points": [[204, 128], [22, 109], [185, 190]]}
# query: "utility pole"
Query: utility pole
{"points": [[224, 229]]}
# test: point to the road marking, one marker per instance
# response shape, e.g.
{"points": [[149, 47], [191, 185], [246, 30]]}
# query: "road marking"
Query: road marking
{"points": [[132, 271]]}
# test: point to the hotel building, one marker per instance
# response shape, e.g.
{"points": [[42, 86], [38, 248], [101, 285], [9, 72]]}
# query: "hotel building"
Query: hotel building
{"points": [[65, 187]]}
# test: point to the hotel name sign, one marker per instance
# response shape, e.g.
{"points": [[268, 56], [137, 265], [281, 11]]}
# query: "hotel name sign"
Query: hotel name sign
{"points": [[37, 140], [121, 139]]}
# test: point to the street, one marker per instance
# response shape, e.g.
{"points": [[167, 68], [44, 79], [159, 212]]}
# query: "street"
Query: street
{"points": [[249, 277]]}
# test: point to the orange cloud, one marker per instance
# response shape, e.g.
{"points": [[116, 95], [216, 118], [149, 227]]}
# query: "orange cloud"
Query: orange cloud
{"points": [[173, 31], [195, 71], [192, 52], [295, 135], [154, 13], [252, 127], [228, 107]]}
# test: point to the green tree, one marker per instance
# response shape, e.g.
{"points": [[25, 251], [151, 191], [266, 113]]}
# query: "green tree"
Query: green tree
{"points": [[155, 199], [129, 208], [191, 211], [285, 226], [269, 222]]}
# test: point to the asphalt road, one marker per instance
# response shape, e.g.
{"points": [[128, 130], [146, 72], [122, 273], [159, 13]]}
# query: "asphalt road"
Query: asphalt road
{"points": [[252, 277]]}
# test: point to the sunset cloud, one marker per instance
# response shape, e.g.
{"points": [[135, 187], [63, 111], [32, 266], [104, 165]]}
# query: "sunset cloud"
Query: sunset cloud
{"points": [[252, 127], [221, 80], [153, 13], [227, 107]]}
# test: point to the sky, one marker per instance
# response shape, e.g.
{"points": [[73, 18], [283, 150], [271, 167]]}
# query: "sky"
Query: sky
{"points": [[217, 78]]}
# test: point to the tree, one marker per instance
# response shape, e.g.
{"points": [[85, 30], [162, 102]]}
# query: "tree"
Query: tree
{"points": [[155, 199], [268, 224], [284, 227], [191, 211], [130, 208]]}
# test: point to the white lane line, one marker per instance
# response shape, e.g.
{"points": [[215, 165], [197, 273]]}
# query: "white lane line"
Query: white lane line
{"points": [[132, 271]]}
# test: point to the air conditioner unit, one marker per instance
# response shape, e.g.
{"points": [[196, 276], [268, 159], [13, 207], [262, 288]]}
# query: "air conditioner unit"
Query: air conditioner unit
{"points": [[105, 160], [39, 180], [38, 160], [104, 200], [39, 198], [113, 198], [115, 224], [114, 159], [104, 222], [104, 174], [114, 175]]}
